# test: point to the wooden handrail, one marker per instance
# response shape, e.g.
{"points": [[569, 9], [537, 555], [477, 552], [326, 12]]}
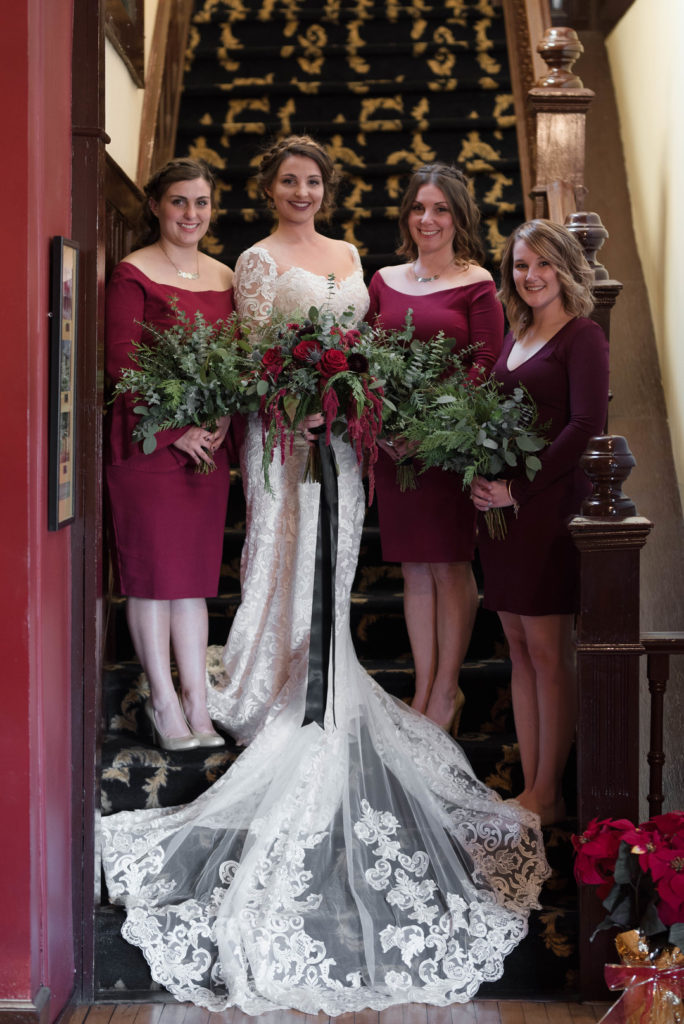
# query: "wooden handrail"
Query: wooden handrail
{"points": [[658, 647], [526, 22], [164, 84]]}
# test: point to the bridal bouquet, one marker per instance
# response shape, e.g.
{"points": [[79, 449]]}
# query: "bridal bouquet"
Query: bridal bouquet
{"points": [[409, 371], [638, 873], [475, 429], [316, 365], [189, 374]]}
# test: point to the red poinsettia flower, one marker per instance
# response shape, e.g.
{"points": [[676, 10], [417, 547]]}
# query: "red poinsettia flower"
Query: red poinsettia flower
{"points": [[333, 361], [597, 850], [307, 351]]}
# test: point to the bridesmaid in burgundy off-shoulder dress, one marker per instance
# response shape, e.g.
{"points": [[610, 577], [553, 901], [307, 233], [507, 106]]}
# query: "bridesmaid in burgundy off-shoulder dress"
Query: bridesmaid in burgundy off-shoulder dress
{"points": [[431, 530], [531, 577], [167, 519]]}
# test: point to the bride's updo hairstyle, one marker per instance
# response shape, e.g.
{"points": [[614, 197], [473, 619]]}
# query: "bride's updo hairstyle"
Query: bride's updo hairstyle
{"points": [[300, 145], [466, 216], [180, 169], [554, 243]]}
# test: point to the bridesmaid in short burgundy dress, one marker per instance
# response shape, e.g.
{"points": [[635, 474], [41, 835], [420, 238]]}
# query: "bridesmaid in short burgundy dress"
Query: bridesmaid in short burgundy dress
{"points": [[168, 520], [431, 530], [531, 577]]}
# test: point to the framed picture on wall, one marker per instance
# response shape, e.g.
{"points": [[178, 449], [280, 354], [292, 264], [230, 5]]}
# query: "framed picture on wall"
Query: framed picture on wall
{"points": [[62, 408]]}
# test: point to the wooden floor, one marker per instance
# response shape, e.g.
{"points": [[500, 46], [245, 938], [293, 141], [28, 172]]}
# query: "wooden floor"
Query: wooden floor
{"points": [[476, 1012]]}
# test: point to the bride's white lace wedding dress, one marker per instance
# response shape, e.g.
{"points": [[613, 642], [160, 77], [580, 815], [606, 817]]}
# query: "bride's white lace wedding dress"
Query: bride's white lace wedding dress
{"points": [[357, 865]]}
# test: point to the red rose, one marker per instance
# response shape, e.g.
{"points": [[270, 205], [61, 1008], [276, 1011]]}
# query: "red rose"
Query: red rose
{"points": [[333, 361], [597, 850], [272, 361], [307, 351]]}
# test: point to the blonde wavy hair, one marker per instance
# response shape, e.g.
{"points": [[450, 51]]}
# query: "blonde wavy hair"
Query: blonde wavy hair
{"points": [[561, 249]]}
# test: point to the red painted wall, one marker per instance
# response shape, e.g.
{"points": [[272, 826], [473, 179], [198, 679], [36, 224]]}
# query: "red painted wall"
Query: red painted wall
{"points": [[36, 936]]}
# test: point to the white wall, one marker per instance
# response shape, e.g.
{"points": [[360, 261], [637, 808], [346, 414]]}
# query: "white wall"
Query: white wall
{"points": [[123, 101], [644, 50]]}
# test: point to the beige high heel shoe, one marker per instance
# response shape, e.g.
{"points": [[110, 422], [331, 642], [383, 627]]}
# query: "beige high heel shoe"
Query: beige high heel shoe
{"points": [[455, 723], [204, 739], [168, 742]]}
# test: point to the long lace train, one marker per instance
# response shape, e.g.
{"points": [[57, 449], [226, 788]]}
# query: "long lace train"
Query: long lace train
{"points": [[358, 865]]}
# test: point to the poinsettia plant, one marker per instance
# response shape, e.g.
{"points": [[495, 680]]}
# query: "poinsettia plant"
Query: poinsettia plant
{"points": [[638, 872]]}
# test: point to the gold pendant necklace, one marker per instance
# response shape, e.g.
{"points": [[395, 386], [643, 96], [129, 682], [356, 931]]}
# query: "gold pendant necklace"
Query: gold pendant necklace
{"points": [[435, 277], [181, 273]]}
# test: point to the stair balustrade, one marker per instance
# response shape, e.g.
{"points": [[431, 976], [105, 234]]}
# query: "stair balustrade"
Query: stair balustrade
{"points": [[658, 648], [609, 535], [164, 84]]}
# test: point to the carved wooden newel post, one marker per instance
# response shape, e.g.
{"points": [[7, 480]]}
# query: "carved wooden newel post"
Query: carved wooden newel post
{"points": [[609, 535]]}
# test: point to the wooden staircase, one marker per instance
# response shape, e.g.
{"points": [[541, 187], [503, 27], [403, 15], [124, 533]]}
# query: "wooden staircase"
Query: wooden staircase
{"points": [[385, 86]]}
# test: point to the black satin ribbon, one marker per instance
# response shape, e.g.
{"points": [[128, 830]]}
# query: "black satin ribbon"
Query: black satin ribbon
{"points": [[322, 643]]}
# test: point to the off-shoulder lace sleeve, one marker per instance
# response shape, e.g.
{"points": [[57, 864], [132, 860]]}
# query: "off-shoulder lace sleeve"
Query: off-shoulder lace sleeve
{"points": [[254, 285]]}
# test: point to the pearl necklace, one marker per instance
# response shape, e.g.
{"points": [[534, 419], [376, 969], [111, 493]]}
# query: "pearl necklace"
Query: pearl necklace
{"points": [[435, 277], [185, 274]]}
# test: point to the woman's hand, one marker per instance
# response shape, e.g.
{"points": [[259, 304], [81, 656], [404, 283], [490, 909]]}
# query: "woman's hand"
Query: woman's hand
{"points": [[489, 494], [397, 447], [316, 419], [200, 443]]}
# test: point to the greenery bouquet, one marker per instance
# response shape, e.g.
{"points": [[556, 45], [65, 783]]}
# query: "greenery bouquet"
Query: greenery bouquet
{"points": [[475, 429], [189, 374], [410, 370]]}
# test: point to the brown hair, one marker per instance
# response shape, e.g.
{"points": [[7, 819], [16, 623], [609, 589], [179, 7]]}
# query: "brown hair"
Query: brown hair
{"points": [[559, 246], [180, 169], [467, 244], [300, 145]]}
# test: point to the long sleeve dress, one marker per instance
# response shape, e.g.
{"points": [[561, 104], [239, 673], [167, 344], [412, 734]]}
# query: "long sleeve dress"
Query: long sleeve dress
{"points": [[350, 863], [167, 520], [534, 570], [436, 521]]}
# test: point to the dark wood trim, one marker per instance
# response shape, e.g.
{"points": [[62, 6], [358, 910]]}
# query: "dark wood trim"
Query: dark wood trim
{"points": [[125, 28], [161, 102], [26, 1011], [88, 164]]}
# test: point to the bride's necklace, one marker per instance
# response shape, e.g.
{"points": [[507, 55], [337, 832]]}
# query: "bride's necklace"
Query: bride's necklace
{"points": [[435, 277], [186, 274]]}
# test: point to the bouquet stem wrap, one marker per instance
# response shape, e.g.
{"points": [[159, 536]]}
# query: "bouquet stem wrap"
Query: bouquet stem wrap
{"points": [[654, 987], [322, 642]]}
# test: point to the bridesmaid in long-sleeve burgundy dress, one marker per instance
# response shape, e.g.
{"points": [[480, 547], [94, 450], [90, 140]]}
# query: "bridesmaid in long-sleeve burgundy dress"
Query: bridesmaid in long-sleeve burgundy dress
{"points": [[167, 519], [531, 577], [431, 530]]}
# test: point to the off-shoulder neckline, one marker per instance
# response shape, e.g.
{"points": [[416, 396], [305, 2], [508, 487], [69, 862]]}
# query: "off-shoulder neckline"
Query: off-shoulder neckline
{"points": [[180, 288], [439, 291]]}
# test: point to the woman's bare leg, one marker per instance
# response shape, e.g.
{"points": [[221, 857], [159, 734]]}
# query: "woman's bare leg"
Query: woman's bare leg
{"points": [[420, 615], [149, 623], [456, 603]]}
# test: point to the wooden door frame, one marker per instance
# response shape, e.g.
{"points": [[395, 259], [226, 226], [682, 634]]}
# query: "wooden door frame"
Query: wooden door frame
{"points": [[88, 227]]}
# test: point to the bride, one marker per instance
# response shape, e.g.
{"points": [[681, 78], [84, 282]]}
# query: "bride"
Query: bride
{"points": [[336, 866]]}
